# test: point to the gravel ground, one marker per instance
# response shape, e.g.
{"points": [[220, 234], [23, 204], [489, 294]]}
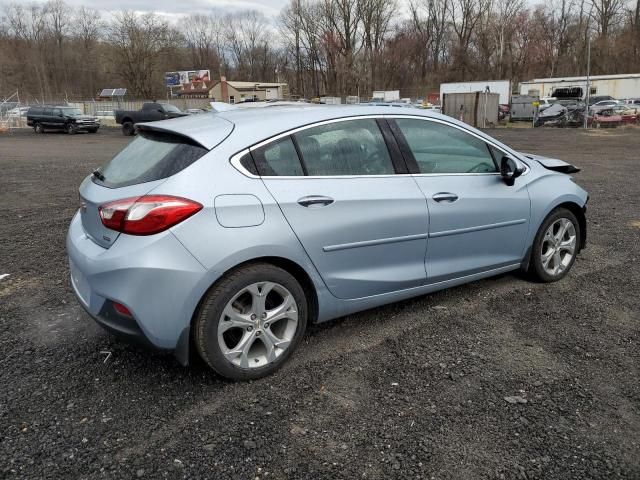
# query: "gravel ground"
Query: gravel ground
{"points": [[501, 378]]}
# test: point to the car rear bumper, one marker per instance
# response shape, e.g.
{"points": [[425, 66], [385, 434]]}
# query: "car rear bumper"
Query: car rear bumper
{"points": [[154, 277]]}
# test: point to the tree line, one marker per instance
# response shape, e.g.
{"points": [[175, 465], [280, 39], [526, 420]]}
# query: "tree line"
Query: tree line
{"points": [[319, 47]]}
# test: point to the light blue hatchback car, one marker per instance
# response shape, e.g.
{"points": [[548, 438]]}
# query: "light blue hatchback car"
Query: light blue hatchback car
{"points": [[227, 233]]}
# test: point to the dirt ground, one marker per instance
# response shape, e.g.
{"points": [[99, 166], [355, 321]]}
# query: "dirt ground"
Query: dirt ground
{"points": [[411, 390]]}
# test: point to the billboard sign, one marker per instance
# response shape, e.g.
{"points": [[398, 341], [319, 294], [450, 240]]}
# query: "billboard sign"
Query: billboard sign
{"points": [[175, 79]]}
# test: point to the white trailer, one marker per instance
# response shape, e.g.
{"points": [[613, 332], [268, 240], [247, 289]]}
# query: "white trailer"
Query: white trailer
{"points": [[617, 86], [501, 87], [385, 95]]}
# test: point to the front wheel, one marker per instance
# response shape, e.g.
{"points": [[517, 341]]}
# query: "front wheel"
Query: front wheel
{"points": [[71, 129], [128, 129], [251, 321], [555, 246]]}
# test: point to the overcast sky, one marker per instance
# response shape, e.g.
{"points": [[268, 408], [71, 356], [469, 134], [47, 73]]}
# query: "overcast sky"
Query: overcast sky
{"points": [[270, 8]]}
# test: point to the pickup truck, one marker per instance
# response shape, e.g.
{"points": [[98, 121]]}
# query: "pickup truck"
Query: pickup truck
{"points": [[150, 112]]}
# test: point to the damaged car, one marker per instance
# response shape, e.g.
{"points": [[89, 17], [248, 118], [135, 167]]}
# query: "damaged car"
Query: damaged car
{"points": [[225, 235]]}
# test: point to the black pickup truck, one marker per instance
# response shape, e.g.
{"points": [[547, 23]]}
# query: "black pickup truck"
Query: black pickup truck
{"points": [[151, 112]]}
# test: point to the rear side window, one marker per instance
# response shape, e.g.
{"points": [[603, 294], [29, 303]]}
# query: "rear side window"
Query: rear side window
{"points": [[439, 148], [353, 147], [278, 158], [151, 156]]}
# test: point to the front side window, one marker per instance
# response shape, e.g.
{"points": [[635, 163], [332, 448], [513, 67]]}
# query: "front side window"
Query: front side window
{"points": [[353, 147], [278, 158], [170, 108], [439, 148]]}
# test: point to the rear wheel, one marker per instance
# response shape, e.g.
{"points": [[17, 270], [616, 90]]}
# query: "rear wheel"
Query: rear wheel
{"points": [[38, 128], [555, 246], [128, 129], [251, 322]]}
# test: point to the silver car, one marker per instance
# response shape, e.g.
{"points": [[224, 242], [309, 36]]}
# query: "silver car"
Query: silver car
{"points": [[227, 233]]}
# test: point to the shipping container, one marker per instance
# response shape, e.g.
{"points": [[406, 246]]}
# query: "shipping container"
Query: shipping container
{"points": [[501, 87], [385, 95], [477, 109]]}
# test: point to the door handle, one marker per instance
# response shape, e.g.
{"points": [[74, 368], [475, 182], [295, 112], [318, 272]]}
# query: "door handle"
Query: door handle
{"points": [[315, 201], [445, 197]]}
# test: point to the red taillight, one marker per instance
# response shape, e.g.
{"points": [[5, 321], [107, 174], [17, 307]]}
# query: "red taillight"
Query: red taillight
{"points": [[121, 309], [148, 214]]}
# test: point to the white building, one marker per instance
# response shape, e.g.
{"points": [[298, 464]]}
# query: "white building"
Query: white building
{"points": [[625, 85]]}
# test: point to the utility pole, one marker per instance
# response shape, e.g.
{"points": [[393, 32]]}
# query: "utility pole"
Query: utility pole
{"points": [[586, 97], [586, 107]]}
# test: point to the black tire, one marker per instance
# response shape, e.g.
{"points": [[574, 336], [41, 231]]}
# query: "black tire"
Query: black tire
{"points": [[38, 128], [536, 268], [71, 129], [209, 315], [128, 129]]}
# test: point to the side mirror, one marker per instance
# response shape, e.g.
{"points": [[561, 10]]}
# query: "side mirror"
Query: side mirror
{"points": [[510, 170]]}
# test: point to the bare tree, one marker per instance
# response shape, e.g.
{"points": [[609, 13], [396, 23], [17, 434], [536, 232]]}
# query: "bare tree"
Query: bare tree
{"points": [[138, 42], [204, 35], [376, 18]]}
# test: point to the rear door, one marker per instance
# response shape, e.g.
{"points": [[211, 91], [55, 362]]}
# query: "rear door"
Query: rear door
{"points": [[363, 226], [47, 117], [476, 222]]}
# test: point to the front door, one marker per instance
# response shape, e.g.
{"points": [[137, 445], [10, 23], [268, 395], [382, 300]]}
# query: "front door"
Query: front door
{"points": [[476, 222], [364, 228]]}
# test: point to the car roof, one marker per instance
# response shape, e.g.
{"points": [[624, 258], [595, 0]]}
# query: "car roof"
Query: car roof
{"points": [[253, 125]]}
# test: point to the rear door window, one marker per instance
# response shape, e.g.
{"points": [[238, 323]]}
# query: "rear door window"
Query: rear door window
{"points": [[151, 156], [353, 147]]}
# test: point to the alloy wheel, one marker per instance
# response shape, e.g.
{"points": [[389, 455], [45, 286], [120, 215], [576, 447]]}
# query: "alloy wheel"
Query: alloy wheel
{"points": [[558, 246], [257, 325]]}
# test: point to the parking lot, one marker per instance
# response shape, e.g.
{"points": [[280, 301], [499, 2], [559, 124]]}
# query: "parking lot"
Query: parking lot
{"points": [[501, 378]]}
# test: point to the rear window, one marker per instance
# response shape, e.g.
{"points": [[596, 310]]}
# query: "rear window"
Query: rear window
{"points": [[151, 156]]}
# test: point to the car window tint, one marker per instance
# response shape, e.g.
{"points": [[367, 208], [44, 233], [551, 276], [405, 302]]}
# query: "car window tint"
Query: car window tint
{"points": [[46, 111], [354, 147], [440, 148], [278, 158], [151, 156]]}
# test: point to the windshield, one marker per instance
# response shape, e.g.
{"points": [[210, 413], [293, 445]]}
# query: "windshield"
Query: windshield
{"points": [[151, 156], [72, 111]]}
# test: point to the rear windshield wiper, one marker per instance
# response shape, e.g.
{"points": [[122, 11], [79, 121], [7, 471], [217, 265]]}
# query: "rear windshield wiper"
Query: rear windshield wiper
{"points": [[98, 174]]}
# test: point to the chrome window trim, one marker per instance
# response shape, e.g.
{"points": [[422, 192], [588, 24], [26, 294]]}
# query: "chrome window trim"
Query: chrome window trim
{"points": [[235, 158]]}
